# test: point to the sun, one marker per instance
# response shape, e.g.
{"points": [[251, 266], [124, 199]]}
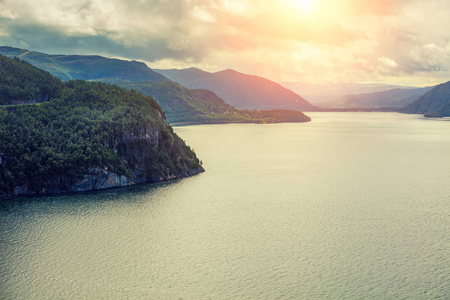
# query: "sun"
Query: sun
{"points": [[305, 6]]}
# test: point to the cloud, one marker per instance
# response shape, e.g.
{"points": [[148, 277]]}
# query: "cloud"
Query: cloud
{"points": [[375, 7], [387, 62], [55, 39], [415, 40], [346, 40]]}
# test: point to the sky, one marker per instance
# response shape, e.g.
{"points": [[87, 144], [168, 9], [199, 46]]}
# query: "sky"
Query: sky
{"points": [[403, 42]]}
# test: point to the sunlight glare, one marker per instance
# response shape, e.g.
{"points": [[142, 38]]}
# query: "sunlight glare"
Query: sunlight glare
{"points": [[305, 6]]}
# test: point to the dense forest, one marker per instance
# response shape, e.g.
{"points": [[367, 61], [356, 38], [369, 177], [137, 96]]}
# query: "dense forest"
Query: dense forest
{"points": [[20, 82], [91, 126]]}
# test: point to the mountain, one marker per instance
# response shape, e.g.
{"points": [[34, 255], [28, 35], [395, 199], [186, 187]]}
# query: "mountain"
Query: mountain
{"points": [[390, 98], [22, 83], [434, 103], [86, 67], [93, 136], [183, 105], [240, 90], [317, 93]]}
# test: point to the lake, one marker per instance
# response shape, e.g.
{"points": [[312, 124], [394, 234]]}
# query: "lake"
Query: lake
{"points": [[348, 206]]}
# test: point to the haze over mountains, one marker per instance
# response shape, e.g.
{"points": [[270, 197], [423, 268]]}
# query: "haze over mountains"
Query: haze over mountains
{"points": [[241, 90], [246, 91], [318, 93], [195, 105], [86, 67], [390, 98], [180, 103], [434, 103]]}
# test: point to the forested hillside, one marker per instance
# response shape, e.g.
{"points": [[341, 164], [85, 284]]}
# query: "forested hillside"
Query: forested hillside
{"points": [[21, 82], [94, 136]]}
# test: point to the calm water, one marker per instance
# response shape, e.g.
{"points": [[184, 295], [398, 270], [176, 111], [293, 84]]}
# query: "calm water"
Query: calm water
{"points": [[349, 206]]}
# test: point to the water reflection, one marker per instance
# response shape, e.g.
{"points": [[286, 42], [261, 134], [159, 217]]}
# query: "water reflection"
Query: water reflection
{"points": [[347, 206]]}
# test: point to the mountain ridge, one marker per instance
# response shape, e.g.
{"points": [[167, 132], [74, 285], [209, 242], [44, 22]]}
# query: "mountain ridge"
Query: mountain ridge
{"points": [[193, 106], [434, 103], [85, 67], [240, 90], [199, 106], [397, 97], [318, 93]]}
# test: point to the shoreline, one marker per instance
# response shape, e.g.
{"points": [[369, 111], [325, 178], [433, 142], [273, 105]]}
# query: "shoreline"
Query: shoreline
{"points": [[109, 182]]}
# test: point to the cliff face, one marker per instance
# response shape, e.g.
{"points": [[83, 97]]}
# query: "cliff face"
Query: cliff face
{"points": [[132, 149], [96, 180], [101, 179]]}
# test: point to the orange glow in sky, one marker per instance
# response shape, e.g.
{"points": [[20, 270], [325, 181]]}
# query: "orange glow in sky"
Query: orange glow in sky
{"points": [[382, 41], [306, 6]]}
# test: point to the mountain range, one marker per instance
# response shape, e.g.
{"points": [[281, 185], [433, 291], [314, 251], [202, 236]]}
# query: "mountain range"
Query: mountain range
{"points": [[434, 103], [86, 67], [390, 98], [240, 90], [318, 93], [182, 105], [199, 106]]}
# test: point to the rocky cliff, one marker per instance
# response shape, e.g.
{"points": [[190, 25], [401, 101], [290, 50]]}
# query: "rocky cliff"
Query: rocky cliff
{"points": [[96, 179]]}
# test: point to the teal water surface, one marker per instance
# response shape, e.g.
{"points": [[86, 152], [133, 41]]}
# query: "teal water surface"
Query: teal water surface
{"points": [[348, 206]]}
